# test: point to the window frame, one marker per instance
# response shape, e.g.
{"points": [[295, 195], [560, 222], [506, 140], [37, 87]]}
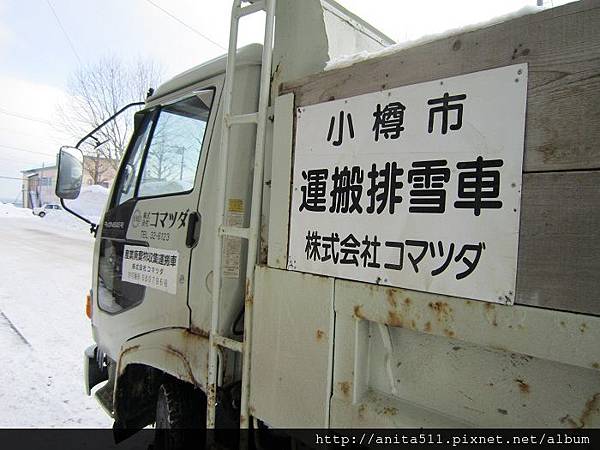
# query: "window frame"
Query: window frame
{"points": [[151, 136], [150, 115]]}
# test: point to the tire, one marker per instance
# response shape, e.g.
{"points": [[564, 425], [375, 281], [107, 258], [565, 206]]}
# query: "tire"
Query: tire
{"points": [[42, 214], [180, 416]]}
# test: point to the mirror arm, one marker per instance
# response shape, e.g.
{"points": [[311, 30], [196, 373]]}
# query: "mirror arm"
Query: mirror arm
{"points": [[93, 226], [91, 133]]}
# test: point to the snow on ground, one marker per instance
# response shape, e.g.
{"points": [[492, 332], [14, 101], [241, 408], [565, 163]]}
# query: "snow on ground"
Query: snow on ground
{"points": [[65, 221], [44, 276], [348, 60], [10, 210], [89, 204], [45, 273]]}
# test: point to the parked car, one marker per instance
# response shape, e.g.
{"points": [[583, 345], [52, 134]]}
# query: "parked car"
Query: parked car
{"points": [[43, 210]]}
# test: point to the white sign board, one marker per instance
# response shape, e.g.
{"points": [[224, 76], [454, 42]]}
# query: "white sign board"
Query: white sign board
{"points": [[417, 187], [152, 267]]}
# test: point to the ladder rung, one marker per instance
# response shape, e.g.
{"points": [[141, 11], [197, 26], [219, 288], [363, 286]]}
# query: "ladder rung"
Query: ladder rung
{"points": [[231, 344], [241, 118], [235, 232], [252, 8]]}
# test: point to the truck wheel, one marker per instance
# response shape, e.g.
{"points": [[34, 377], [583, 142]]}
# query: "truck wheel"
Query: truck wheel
{"points": [[180, 416]]}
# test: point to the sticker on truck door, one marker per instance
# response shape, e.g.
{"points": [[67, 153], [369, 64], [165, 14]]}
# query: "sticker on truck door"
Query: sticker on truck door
{"points": [[232, 246], [152, 267]]}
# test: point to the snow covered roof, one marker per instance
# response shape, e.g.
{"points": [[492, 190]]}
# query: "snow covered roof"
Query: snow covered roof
{"points": [[348, 60]]}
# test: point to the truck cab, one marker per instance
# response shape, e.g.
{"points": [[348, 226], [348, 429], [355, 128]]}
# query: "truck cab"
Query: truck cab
{"points": [[151, 301]]}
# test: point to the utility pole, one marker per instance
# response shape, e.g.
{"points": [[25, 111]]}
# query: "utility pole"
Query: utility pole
{"points": [[181, 149], [41, 185]]}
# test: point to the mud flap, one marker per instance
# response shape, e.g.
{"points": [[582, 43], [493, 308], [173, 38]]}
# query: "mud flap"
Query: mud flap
{"points": [[94, 371]]}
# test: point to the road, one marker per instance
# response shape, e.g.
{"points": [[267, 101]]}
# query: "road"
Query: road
{"points": [[45, 273]]}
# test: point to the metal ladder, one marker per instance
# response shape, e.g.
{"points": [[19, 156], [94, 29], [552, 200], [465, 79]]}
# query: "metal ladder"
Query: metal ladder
{"points": [[251, 233]]}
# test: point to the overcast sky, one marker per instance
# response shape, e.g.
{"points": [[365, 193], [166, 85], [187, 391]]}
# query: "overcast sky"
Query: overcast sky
{"points": [[43, 41]]}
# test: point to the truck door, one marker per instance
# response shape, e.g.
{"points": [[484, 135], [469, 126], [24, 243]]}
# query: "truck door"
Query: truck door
{"points": [[152, 223]]}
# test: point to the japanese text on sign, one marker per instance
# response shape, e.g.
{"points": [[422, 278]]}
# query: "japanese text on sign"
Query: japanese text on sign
{"points": [[152, 267], [417, 187]]}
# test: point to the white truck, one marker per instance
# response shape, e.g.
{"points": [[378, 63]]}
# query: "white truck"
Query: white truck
{"points": [[220, 297]]}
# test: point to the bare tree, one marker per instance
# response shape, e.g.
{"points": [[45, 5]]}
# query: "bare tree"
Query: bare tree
{"points": [[98, 91]]}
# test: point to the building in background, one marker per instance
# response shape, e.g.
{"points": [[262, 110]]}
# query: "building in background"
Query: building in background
{"points": [[39, 183], [38, 186]]}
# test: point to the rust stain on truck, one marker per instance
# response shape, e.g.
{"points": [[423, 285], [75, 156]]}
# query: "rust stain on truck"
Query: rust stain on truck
{"points": [[395, 319], [189, 372], [401, 311], [389, 411], [591, 409], [442, 311], [390, 298], [197, 332], [523, 387], [122, 355], [568, 420], [358, 312], [345, 387], [249, 297]]}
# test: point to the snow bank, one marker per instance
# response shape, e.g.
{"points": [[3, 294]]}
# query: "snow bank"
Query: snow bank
{"points": [[66, 221], [348, 60], [90, 203], [10, 210]]}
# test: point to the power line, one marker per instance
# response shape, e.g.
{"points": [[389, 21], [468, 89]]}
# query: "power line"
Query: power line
{"points": [[50, 140], [23, 133], [28, 165], [4, 177], [189, 27], [64, 31], [22, 116], [28, 162], [19, 149]]}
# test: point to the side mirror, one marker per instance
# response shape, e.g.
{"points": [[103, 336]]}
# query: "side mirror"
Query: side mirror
{"points": [[70, 173]]}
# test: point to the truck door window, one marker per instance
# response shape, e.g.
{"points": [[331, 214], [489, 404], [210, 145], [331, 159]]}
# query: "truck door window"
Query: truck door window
{"points": [[126, 183], [175, 148]]}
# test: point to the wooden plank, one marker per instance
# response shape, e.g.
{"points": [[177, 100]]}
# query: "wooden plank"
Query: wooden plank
{"points": [[559, 248], [279, 207], [562, 47]]}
